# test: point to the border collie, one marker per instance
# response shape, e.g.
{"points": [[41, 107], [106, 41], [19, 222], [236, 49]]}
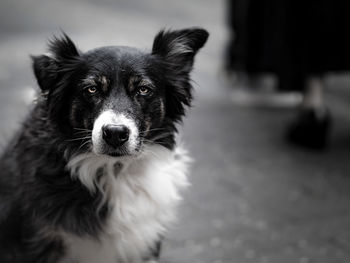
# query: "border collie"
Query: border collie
{"points": [[94, 173]]}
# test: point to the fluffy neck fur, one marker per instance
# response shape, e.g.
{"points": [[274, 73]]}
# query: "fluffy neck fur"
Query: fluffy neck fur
{"points": [[141, 194]]}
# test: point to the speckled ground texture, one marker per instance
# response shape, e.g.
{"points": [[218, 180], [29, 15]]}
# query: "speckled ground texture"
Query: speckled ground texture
{"points": [[254, 198]]}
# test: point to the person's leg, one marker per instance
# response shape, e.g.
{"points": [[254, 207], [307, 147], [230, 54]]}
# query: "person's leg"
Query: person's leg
{"points": [[311, 127], [235, 55]]}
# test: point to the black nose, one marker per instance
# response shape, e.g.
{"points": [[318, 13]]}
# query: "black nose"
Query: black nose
{"points": [[115, 135]]}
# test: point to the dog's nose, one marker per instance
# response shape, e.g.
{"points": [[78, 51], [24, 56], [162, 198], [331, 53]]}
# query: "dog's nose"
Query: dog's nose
{"points": [[115, 135]]}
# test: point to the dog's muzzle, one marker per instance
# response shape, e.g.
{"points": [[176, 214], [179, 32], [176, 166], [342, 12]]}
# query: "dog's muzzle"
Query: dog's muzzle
{"points": [[115, 134]]}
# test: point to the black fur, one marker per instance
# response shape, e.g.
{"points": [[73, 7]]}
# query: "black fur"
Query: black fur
{"points": [[36, 189]]}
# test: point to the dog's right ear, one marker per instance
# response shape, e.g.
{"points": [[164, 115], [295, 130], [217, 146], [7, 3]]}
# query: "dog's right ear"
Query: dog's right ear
{"points": [[46, 71], [54, 73]]}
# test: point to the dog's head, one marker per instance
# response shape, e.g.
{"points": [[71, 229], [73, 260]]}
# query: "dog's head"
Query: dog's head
{"points": [[112, 100]]}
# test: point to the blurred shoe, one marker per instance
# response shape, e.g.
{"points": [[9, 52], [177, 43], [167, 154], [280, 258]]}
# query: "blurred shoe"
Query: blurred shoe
{"points": [[310, 129]]}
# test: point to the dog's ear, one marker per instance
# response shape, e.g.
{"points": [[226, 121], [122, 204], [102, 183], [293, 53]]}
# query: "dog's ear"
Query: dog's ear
{"points": [[63, 48], [47, 69], [179, 47], [53, 72], [177, 50]]}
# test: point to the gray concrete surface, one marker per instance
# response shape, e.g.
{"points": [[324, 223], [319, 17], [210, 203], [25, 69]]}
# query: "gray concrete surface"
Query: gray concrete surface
{"points": [[253, 197]]}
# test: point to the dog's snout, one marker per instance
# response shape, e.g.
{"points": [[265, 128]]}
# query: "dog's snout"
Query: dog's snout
{"points": [[115, 135]]}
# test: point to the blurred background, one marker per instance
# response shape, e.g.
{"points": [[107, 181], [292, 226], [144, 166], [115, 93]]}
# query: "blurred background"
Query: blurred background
{"points": [[254, 196]]}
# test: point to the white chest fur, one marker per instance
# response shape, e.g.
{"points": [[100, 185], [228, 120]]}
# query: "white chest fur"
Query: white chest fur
{"points": [[143, 194]]}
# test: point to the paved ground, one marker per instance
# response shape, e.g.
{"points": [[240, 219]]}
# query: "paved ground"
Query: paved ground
{"points": [[253, 197]]}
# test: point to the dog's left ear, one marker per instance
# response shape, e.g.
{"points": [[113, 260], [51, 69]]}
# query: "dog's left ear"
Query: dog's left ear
{"points": [[179, 47], [176, 50]]}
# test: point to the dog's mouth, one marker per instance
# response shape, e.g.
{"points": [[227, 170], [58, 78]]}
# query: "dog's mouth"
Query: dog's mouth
{"points": [[121, 152]]}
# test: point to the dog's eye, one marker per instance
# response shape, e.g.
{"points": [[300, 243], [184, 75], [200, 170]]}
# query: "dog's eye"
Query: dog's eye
{"points": [[143, 90], [91, 90]]}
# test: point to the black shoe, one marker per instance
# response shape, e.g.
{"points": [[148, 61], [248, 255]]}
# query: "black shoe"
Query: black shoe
{"points": [[310, 129]]}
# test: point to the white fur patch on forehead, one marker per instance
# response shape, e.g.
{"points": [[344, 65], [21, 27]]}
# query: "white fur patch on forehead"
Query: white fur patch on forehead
{"points": [[110, 117]]}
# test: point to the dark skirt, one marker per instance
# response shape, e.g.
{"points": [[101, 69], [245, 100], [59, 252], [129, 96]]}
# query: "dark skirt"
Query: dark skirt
{"points": [[293, 39]]}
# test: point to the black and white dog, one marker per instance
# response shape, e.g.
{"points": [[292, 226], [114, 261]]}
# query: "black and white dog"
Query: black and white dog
{"points": [[93, 175]]}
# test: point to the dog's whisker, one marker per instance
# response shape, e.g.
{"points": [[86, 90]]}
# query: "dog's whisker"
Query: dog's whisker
{"points": [[82, 129], [82, 133], [79, 139], [151, 130], [82, 145], [153, 142], [161, 136]]}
